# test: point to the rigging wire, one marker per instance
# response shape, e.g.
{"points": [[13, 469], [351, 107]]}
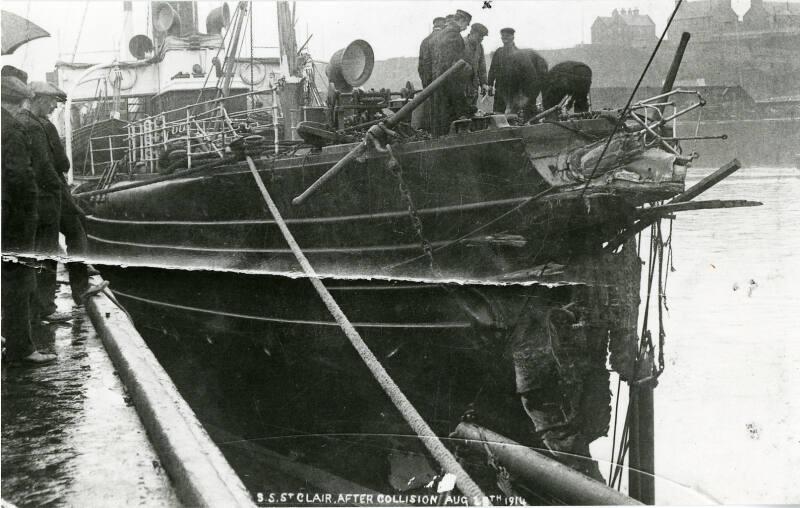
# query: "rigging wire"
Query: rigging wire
{"points": [[625, 110], [219, 49], [252, 73], [80, 31]]}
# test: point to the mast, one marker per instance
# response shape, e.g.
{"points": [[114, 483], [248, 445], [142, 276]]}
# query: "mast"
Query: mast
{"points": [[230, 58], [287, 40]]}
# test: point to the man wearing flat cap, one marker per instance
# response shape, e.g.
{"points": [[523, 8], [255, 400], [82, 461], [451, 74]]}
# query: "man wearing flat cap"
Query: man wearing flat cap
{"points": [[500, 70], [51, 189], [425, 69], [475, 57], [448, 48], [70, 217], [19, 209], [425, 64]]}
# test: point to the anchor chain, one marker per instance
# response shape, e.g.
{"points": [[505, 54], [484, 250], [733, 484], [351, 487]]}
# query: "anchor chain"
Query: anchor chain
{"points": [[394, 166]]}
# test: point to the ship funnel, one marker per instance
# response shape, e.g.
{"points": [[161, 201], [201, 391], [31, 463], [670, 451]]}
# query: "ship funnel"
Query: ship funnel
{"points": [[139, 46], [166, 19], [218, 19], [351, 66]]}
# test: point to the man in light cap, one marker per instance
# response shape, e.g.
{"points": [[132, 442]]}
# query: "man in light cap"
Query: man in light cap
{"points": [[71, 216], [19, 209], [500, 70], [448, 48], [474, 56], [51, 190]]}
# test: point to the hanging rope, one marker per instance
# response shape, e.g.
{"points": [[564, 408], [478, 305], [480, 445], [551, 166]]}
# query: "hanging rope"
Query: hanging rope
{"points": [[413, 418]]}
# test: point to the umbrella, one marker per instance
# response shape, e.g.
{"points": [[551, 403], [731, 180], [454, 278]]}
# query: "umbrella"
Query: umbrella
{"points": [[17, 30]]}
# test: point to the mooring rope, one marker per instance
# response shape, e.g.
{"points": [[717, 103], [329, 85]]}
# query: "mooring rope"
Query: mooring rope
{"points": [[431, 441]]}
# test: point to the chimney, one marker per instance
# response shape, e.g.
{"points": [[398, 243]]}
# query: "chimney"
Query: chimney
{"points": [[636, 11], [615, 13]]}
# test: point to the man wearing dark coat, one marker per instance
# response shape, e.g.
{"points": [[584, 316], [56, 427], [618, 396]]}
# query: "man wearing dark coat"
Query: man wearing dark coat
{"points": [[425, 63], [568, 78], [476, 58], [500, 70], [448, 48], [49, 207], [425, 69], [19, 210], [70, 220]]}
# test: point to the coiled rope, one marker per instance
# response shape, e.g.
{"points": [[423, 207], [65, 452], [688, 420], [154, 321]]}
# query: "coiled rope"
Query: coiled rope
{"points": [[431, 441]]}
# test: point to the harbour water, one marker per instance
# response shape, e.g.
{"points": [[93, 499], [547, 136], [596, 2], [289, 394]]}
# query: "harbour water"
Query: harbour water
{"points": [[727, 408]]}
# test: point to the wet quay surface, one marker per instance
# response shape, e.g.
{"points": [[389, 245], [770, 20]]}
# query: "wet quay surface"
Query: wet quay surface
{"points": [[70, 436]]}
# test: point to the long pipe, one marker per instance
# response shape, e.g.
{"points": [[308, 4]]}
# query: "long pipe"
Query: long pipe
{"points": [[669, 82], [390, 123], [642, 440], [546, 474]]}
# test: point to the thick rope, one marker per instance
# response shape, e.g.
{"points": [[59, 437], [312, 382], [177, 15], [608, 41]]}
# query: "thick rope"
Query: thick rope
{"points": [[410, 414]]}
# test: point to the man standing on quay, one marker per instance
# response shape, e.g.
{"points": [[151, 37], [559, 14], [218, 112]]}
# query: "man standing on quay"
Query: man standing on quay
{"points": [[19, 224]]}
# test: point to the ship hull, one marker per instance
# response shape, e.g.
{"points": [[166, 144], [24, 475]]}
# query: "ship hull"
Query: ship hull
{"points": [[462, 329], [260, 355], [491, 204]]}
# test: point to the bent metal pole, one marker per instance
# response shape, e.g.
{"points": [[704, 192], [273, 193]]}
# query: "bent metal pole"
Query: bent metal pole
{"points": [[431, 441], [545, 474], [390, 123]]}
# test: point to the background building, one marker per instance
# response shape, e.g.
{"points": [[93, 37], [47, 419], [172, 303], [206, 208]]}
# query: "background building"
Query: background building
{"points": [[625, 27]]}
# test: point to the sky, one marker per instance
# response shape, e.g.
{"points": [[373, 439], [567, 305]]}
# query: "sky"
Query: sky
{"points": [[394, 28]]}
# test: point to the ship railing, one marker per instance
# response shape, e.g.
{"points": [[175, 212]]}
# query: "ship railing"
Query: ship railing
{"points": [[656, 112], [104, 150], [154, 139]]}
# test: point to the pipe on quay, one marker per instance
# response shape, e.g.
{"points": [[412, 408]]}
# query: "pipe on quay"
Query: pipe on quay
{"points": [[199, 472], [545, 474]]}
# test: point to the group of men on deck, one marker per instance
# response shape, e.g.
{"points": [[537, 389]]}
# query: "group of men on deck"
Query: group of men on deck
{"points": [[515, 76], [37, 206]]}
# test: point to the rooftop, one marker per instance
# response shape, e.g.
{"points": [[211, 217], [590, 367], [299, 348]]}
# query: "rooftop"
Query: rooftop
{"points": [[630, 17]]}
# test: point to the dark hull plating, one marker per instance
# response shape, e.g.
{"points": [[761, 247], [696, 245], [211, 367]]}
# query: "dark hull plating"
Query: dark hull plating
{"points": [[479, 197]]}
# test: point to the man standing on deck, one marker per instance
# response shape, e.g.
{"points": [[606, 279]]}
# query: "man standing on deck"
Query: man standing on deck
{"points": [[425, 69], [425, 63], [19, 223], [475, 57], [70, 220], [448, 48], [500, 70], [51, 189]]}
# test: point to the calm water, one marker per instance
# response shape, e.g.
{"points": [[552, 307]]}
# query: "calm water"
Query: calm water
{"points": [[728, 404]]}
